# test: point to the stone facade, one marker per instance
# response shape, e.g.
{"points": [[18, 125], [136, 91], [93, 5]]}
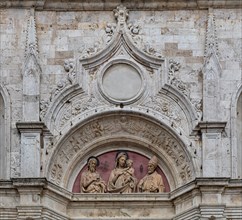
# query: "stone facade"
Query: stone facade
{"points": [[84, 78]]}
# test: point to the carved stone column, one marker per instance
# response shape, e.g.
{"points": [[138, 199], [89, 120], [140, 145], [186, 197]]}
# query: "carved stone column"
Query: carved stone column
{"points": [[212, 155]]}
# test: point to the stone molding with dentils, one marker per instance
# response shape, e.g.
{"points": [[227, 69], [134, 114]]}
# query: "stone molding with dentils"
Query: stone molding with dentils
{"points": [[86, 139]]}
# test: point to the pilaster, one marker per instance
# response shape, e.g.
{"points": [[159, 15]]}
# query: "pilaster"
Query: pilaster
{"points": [[30, 191], [212, 154], [31, 142]]}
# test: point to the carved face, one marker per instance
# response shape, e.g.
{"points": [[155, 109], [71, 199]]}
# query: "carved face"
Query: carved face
{"points": [[129, 163], [92, 164], [151, 168], [122, 161]]}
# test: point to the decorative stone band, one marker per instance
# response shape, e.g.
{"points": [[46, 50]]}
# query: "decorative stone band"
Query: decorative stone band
{"points": [[109, 5]]}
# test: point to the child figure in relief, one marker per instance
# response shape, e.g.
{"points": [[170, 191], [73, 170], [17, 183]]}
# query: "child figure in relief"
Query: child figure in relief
{"points": [[129, 174]]}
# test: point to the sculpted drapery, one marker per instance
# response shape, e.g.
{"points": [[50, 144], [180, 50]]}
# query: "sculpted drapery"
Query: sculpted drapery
{"points": [[121, 179], [91, 181], [152, 182]]}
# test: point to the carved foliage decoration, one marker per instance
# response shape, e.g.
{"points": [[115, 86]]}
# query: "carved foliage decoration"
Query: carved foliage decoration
{"points": [[73, 108], [132, 30], [169, 109], [174, 81], [119, 127], [181, 86], [114, 32], [69, 80]]}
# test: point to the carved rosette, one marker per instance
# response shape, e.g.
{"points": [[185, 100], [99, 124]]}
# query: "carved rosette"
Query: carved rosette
{"points": [[135, 128]]}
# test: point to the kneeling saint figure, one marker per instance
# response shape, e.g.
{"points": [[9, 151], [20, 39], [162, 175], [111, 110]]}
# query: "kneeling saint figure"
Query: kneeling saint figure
{"points": [[152, 182], [91, 181]]}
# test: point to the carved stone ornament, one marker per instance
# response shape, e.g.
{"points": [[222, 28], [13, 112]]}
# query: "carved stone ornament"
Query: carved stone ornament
{"points": [[121, 14], [75, 107], [169, 109], [32, 62], [69, 66], [66, 82], [84, 71], [69, 152], [174, 81], [211, 73]]}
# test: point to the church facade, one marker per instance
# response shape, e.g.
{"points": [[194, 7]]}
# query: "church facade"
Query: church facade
{"points": [[155, 80]]}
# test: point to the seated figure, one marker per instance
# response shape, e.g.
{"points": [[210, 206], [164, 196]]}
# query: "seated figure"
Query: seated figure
{"points": [[91, 181]]}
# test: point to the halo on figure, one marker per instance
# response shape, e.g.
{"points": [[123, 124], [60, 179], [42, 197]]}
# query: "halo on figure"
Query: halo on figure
{"points": [[93, 157]]}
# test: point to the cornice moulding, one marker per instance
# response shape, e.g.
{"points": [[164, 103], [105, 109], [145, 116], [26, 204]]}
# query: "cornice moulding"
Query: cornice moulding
{"points": [[210, 127], [28, 127], [110, 4]]}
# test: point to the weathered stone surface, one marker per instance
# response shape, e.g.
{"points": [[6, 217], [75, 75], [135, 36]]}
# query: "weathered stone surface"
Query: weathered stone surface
{"points": [[59, 106]]}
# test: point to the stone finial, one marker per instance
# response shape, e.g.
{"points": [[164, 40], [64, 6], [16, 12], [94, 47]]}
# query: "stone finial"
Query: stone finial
{"points": [[121, 13], [31, 40], [211, 38], [31, 63]]}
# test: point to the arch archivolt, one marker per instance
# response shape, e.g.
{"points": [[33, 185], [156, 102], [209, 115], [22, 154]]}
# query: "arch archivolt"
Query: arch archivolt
{"points": [[102, 133], [71, 110], [234, 133], [5, 134]]}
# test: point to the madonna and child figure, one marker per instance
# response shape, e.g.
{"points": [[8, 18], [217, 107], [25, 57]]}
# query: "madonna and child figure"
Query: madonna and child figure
{"points": [[122, 178]]}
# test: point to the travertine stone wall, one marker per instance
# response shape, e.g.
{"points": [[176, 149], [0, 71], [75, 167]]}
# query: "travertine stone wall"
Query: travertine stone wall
{"points": [[188, 62]]}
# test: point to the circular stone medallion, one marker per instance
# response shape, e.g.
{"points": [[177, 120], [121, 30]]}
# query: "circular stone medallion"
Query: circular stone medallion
{"points": [[121, 82]]}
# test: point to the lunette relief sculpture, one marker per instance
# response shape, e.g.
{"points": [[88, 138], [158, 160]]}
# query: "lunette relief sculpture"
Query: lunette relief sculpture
{"points": [[91, 181], [121, 179], [152, 182]]}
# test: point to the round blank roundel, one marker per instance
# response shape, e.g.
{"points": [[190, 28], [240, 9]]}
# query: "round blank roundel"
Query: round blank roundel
{"points": [[121, 82]]}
